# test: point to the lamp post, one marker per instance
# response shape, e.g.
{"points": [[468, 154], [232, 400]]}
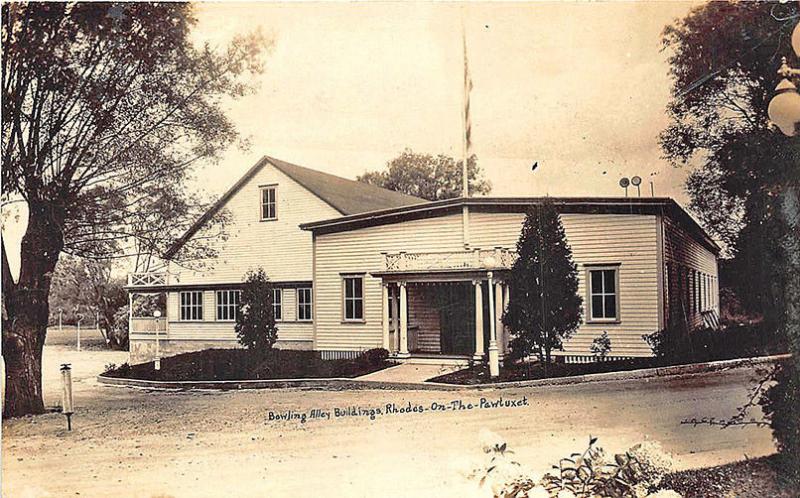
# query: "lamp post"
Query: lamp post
{"points": [[784, 108], [157, 361]]}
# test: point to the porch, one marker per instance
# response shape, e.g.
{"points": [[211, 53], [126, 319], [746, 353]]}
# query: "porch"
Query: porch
{"points": [[445, 307]]}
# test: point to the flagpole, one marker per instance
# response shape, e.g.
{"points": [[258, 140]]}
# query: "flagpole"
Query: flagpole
{"points": [[464, 116]]}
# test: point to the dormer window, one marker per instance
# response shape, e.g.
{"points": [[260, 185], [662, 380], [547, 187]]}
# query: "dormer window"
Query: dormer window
{"points": [[269, 205]]}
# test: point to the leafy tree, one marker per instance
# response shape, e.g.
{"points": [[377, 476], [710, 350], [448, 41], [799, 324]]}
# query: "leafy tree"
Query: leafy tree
{"points": [[745, 185], [544, 308], [88, 286], [429, 177], [106, 107], [255, 322]]}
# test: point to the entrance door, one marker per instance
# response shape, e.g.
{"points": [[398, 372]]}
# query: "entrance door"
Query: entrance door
{"points": [[457, 318]]}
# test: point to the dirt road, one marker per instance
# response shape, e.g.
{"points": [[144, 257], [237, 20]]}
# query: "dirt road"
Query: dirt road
{"points": [[134, 443]]}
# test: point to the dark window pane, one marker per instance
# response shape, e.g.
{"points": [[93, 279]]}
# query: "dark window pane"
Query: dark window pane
{"points": [[611, 307], [359, 309], [358, 287], [597, 281], [597, 306], [348, 309], [610, 281]]}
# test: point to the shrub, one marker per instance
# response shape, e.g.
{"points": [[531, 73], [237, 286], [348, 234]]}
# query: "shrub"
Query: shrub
{"points": [[781, 406], [601, 346], [255, 321], [375, 357], [635, 473]]}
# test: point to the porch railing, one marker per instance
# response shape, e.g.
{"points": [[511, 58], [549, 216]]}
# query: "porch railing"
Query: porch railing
{"points": [[148, 279], [476, 259], [148, 325]]}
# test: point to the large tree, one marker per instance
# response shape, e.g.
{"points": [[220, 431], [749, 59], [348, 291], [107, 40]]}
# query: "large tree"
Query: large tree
{"points": [[429, 177], [105, 109], [745, 181], [544, 308]]}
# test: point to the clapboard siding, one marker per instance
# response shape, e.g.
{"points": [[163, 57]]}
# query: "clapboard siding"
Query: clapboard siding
{"points": [[359, 251], [423, 317], [278, 246], [628, 240], [685, 261]]}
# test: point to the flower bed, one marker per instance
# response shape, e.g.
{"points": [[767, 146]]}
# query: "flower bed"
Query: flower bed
{"points": [[243, 364]]}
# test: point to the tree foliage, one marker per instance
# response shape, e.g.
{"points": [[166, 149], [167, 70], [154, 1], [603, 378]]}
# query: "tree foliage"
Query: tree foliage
{"points": [[255, 321], [544, 307], [106, 107], [429, 177]]}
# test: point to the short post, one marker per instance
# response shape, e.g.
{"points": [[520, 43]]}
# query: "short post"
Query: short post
{"points": [[157, 361], [66, 393], [80, 318], [60, 312]]}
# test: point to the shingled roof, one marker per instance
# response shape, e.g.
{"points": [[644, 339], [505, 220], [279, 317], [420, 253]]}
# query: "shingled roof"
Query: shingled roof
{"points": [[349, 197]]}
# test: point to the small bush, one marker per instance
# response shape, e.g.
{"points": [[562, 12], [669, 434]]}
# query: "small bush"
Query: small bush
{"points": [[781, 406], [375, 356], [601, 346]]}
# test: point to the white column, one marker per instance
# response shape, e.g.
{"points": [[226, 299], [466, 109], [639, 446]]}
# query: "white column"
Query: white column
{"points": [[478, 319], [385, 314], [403, 322], [506, 300], [395, 318], [130, 322], [494, 356], [498, 316]]}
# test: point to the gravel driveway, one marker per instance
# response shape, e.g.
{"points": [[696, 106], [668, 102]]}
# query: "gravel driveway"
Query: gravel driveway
{"points": [[136, 443]]}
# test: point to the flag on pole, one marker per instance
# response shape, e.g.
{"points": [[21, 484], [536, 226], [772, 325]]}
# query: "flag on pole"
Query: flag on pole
{"points": [[467, 138]]}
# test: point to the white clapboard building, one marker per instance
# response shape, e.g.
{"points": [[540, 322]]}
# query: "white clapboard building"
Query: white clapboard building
{"points": [[357, 267]]}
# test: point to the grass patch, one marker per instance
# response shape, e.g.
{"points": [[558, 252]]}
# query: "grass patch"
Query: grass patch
{"points": [[756, 478], [242, 364]]}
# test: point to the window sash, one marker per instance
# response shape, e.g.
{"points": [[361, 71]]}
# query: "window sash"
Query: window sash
{"points": [[354, 298], [228, 305], [603, 294], [304, 304], [268, 203], [191, 305], [277, 304]]}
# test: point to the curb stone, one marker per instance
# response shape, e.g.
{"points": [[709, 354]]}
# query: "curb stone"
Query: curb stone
{"points": [[355, 384]]}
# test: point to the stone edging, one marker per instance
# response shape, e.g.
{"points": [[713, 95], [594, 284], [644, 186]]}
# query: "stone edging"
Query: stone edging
{"points": [[352, 384]]}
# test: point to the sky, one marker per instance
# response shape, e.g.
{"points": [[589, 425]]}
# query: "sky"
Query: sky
{"points": [[579, 87]]}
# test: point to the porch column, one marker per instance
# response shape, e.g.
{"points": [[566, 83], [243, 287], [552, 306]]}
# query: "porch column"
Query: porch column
{"points": [[494, 356], [403, 322], [498, 316], [506, 300], [395, 318], [130, 323], [478, 319], [385, 314]]}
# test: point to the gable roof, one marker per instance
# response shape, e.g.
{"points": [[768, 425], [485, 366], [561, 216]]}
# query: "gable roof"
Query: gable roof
{"points": [[349, 197]]}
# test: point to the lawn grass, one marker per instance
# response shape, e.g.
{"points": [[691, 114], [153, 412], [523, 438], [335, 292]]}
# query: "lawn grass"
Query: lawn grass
{"points": [[755, 478], [242, 364]]}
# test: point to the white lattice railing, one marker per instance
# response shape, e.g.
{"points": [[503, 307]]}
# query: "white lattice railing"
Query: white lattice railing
{"points": [[477, 259], [148, 279]]}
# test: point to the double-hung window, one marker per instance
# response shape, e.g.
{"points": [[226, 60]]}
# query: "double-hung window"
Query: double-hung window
{"points": [[227, 304], [191, 305], [304, 308], [603, 294], [353, 298], [277, 303], [269, 205]]}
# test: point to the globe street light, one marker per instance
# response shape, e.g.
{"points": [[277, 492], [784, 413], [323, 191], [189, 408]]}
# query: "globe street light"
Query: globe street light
{"points": [[157, 362], [784, 108]]}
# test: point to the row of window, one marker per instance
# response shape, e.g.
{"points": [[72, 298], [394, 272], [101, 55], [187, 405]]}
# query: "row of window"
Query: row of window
{"points": [[227, 305], [697, 289]]}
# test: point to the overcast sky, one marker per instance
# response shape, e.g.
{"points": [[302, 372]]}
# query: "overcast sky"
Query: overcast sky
{"points": [[579, 87]]}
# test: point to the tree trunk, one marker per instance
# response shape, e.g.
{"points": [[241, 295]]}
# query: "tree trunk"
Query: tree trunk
{"points": [[27, 308]]}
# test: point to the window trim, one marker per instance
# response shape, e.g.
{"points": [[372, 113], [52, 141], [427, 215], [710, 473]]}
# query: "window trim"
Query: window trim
{"points": [[310, 304], [603, 267], [190, 306], [217, 304], [280, 305], [345, 277], [261, 190]]}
